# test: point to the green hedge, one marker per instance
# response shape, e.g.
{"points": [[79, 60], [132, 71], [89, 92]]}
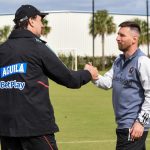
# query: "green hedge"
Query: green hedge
{"points": [[69, 61]]}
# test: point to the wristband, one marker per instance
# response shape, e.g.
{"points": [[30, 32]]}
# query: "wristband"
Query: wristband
{"points": [[143, 118]]}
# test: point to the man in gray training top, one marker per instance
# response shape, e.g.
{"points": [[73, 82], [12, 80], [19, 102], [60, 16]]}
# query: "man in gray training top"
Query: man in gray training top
{"points": [[129, 79]]}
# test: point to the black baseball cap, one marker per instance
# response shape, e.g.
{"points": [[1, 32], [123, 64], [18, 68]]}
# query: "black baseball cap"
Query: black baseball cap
{"points": [[26, 11]]}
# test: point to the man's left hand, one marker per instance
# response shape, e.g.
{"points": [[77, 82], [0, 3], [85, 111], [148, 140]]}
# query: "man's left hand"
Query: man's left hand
{"points": [[136, 131]]}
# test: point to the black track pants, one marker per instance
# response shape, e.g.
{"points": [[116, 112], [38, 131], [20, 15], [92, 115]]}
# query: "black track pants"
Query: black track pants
{"points": [[46, 142], [124, 144]]}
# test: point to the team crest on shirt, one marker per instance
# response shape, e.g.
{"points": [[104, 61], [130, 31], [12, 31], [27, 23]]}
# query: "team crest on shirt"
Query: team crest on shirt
{"points": [[131, 70]]}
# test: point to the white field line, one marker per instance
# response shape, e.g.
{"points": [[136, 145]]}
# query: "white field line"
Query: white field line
{"points": [[96, 141]]}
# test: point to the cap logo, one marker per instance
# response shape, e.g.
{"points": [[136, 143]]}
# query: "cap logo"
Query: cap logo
{"points": [[23, 19]]}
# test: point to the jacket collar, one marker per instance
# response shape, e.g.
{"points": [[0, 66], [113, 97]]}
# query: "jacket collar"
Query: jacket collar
{"points": [[22, 33], [136, 53]]}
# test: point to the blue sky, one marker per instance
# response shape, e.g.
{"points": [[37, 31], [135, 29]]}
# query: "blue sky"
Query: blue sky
{"points": [[113, 6]]}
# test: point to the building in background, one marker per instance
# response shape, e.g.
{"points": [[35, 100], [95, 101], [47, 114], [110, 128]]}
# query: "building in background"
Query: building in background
{"points": [[70, 33]]}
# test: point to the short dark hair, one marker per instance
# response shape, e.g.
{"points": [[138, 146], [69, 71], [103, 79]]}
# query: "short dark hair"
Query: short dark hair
{"points": [[23, 24], [132, 25]]}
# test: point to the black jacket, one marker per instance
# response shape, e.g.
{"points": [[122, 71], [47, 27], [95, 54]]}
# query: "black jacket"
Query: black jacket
{"points": [[26, 63]]}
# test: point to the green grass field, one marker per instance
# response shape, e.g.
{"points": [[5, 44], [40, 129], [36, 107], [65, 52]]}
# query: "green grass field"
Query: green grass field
{"points": [[85, 118]]}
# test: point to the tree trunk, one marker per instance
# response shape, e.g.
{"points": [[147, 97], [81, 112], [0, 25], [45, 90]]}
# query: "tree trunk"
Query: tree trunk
{"points": [[103, 54]]}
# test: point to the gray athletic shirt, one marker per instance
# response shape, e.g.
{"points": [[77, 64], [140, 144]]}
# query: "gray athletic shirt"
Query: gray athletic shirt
{"points": [[130, 83]]}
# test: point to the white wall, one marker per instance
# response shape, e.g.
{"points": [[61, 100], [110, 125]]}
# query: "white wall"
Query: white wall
{"points": [[70, 31], [6, 20]]}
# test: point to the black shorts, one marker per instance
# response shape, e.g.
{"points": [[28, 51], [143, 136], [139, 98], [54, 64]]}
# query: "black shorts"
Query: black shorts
{"points": [[45, 142], [123, 143]]}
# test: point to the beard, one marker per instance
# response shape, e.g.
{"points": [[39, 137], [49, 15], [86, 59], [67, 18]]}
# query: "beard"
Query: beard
{"points": [[122, 48]]}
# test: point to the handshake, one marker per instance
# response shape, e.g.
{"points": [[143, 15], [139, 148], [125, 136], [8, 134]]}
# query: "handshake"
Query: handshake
{"points": [[93, 70]]}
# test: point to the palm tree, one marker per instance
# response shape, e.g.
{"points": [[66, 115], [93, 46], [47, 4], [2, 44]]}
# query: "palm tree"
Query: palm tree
{"points": [[4, 33], [103, 24], [46, 28]]}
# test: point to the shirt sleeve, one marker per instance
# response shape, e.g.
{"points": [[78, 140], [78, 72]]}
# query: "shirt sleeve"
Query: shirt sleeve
{"points": [[55, 69], [144, 76], [105, 82]]}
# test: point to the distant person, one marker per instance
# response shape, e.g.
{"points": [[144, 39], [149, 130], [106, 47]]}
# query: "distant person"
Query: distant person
{"points": [[27, 119], [129, 79]]}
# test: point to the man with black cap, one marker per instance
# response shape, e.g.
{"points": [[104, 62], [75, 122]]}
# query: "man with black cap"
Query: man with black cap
{"points": [[27, 119]]}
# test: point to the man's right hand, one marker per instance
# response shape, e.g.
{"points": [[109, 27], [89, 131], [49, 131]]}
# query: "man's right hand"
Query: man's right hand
{"points": [[93, 70]]}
